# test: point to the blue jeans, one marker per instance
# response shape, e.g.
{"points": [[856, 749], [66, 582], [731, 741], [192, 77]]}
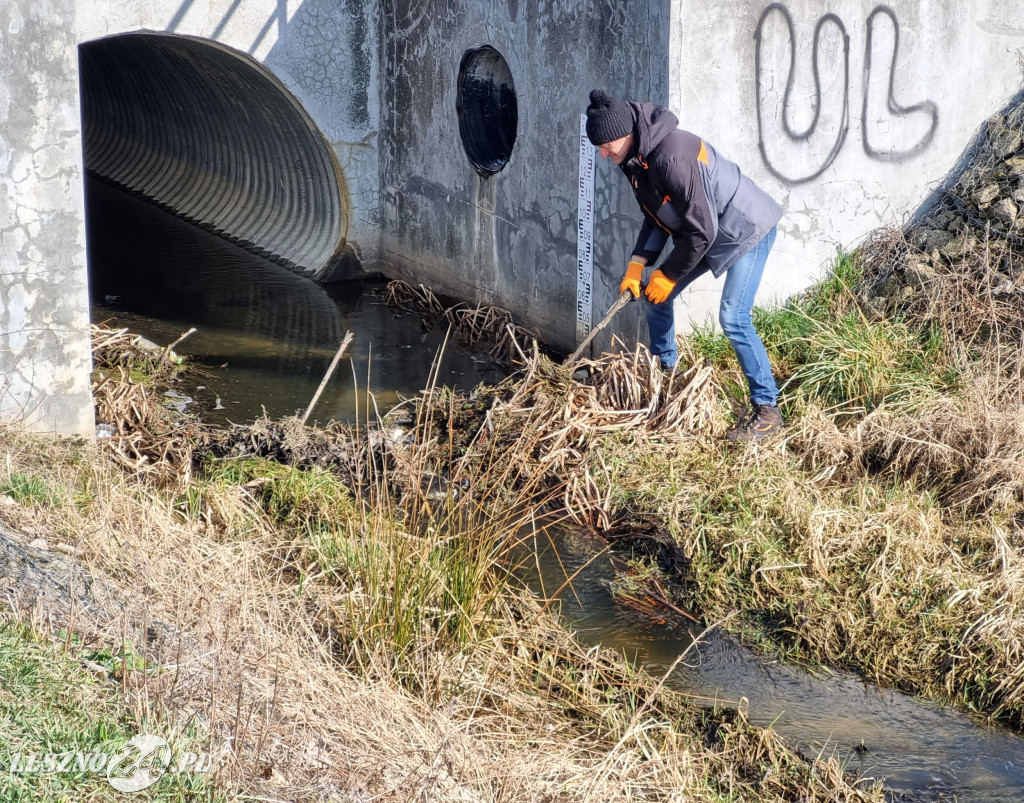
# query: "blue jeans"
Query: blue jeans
{"points": [[741, 283]]}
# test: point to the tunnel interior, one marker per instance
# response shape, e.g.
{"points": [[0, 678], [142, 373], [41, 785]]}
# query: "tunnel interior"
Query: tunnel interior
{"points": [[209, 134]]}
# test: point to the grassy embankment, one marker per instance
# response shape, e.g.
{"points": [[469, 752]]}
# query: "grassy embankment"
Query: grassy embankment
{"points": [[884, 532], [336, 610]]}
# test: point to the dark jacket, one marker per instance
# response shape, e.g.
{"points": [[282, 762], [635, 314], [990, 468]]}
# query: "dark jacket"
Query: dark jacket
{"points": [[686, 190]]}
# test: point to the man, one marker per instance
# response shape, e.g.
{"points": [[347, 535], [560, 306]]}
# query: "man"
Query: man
{"points": [[719, 221]]}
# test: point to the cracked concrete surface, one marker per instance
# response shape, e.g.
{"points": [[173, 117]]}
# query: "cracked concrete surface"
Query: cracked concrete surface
{"points": [[44, 313]]}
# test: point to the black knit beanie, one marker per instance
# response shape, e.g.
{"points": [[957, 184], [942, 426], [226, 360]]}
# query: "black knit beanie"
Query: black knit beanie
{"points": [[608, 119]]}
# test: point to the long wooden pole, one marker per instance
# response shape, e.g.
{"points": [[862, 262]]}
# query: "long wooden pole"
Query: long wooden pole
{"points": [[327, 376], [620, 302]]}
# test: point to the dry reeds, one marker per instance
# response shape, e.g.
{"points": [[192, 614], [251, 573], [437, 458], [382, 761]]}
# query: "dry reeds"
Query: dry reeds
{"points": [[146, 436], [335, 647], [626, 393], [472, 326], [335, 606]]}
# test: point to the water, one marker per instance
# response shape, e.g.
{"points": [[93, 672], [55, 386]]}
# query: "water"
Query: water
{"points": [[922, 751], [266, 335]]}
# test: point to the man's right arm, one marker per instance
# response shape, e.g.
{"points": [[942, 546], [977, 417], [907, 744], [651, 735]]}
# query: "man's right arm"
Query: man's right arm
{"points": [[650, 242]]}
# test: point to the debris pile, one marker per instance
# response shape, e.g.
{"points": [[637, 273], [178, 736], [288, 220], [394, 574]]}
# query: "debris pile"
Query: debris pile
{"points": [[129, 380]]}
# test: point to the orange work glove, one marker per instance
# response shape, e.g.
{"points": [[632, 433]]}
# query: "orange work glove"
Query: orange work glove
{"points": [[658, 287], [631, 281]]}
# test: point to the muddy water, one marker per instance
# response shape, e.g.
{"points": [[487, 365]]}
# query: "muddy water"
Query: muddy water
{"points": [[267, 336], [264, 335], [923, 752]]}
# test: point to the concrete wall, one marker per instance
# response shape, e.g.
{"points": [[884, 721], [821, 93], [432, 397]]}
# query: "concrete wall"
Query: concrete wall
{"points": [[324, 52], [44, 305], [509, 239], [886, 134], [900, 90]]}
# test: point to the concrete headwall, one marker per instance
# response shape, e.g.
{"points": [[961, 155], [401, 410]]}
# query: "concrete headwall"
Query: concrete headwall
{"points": [[850, 114], [44, 303], [323, 53]]}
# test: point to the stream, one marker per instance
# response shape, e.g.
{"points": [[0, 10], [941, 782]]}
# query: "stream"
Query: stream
{"points": [[265, 338], [922, 751]]}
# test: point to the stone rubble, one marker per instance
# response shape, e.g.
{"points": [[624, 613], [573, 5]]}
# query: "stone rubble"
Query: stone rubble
{"points": [[976, 229]]}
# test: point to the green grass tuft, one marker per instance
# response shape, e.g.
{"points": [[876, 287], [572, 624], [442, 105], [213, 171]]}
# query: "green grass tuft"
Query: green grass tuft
{"points": [[50, 704], [29, 489]]}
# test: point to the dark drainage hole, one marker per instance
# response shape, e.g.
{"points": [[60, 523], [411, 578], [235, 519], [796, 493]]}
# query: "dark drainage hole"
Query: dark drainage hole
{"points": [[487, 108]]}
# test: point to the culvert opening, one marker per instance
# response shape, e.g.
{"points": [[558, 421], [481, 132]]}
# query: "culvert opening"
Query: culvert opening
{"points": [[209, 134], [487, 108]]}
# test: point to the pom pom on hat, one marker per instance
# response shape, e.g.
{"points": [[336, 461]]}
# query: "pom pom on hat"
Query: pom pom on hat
{"points": [[608, 119]]}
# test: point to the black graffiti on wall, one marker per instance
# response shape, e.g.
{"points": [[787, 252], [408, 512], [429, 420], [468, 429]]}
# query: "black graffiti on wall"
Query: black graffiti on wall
{"points": [[929, 107], [840, 124]]}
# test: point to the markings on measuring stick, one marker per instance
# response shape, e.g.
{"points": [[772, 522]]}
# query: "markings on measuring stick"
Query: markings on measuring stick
{"points": [[585, 236]]}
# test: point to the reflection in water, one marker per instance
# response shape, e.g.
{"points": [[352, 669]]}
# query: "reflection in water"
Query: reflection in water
{"points": [[922, 752], [267, 335]]}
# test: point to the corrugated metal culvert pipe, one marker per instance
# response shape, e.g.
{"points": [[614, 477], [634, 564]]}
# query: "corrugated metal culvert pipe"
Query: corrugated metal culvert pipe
{"points": [[211, 135]]}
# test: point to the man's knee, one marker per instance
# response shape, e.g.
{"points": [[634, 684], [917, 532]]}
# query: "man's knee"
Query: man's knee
{"points": [[733, 320]]}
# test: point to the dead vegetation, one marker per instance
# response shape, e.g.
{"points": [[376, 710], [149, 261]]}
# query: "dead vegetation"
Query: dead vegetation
{"points": [[128, 383], [481, 326], [345, 643], [883, 533]]}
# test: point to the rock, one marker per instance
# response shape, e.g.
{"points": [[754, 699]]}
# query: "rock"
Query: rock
{"points": [[874, 308], [986, 194], [887, 288], [1004, 287], [1005, 210], [941, 220], [959, 247], [1018, 195], [1006, 142], [995, 123], [36, 576], [957, 224], [930, 239], [919, 272], [1015, 165], [975, 174]]}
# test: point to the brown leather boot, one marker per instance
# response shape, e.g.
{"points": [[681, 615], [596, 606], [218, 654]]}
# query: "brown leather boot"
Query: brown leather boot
{"points": [[763, 420]]}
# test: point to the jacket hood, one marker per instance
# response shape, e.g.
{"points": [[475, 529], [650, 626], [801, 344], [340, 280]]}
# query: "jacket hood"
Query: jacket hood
{"points": [[653, 124]]}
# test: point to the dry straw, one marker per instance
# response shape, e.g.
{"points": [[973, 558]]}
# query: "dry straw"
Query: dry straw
{"points": [[339, 619], [473, 326]]}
